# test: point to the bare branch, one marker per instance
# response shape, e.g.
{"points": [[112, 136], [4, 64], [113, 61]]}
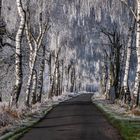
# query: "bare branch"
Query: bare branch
{"points": [[10, 36], [130, 8]]}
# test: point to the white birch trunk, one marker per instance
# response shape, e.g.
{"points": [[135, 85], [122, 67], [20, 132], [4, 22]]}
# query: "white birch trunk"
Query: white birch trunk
{"points": [[137, 78], [40, 77], [56, 73], [34, 85], [18, 55], [108, 88], [32, 60], [30, 78], [33, 53], [0, 97], [126, 73], [62, 77]]}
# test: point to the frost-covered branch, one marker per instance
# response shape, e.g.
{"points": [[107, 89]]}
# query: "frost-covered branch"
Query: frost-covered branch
{"points": [[130, 8]]}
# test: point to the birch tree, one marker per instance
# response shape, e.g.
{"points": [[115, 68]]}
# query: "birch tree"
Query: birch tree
{"points": [[0, 39], [72, 79], [34, 45], [68, 71], [34, 85], [18, 55], [62, 76], [135, 94], [104, 74], [40, 77], [125, 89], [137, 78], [115, 47], [54, 76]]}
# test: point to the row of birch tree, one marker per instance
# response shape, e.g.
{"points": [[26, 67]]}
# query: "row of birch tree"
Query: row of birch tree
{"points": [[58, 68], [115, 79]]}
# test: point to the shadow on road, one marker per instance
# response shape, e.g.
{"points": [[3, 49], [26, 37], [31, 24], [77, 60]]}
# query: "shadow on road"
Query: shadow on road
{"points": [[76, 119]]}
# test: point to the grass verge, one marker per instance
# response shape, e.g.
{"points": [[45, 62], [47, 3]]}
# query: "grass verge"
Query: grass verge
{"points": [[16, 134], [129, 129]]}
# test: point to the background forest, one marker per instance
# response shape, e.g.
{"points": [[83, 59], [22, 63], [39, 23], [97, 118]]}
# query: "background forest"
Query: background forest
{"points": [[57, 46], [52, 50]]}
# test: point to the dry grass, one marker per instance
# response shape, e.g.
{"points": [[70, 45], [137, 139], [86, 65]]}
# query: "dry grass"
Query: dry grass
{"points": [[135, 112], [8, 115]]}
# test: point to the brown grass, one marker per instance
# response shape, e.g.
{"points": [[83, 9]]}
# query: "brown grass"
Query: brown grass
{"points": [[136, 112], [11, 112]]}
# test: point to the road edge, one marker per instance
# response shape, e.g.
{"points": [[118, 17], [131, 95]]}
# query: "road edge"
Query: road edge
{"points": [[118, 122], [17, 133]]}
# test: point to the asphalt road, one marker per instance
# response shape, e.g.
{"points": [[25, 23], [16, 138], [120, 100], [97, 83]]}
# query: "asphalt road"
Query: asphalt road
{"points": [[76, 119]]}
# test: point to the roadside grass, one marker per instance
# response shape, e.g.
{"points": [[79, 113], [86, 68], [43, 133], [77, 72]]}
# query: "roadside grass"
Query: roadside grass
{"points": [[29, 118], [19, 132], [128, 128]]}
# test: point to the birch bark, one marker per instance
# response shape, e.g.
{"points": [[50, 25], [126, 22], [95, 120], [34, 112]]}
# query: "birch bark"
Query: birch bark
{"points": [[40, 79], [34, 48], [127, 67], [18, 55], [34, 85], [137, 78]]}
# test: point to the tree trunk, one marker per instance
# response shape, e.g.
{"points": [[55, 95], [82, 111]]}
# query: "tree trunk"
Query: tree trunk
{"points": [[57, 78], [27, 100], [18, 56], [111, 82], [125, 89], [50, 75], [103, 78], [62, 78], [34, 85], [137, 78], [0, 97], [0, 7], [72, 79], [117, 71], [53, 79], [40, 79], [68, 77], [50, 68], [54, 89]]}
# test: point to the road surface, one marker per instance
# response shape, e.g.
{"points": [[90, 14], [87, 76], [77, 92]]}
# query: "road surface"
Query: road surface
{"points": [[76, 119]]}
